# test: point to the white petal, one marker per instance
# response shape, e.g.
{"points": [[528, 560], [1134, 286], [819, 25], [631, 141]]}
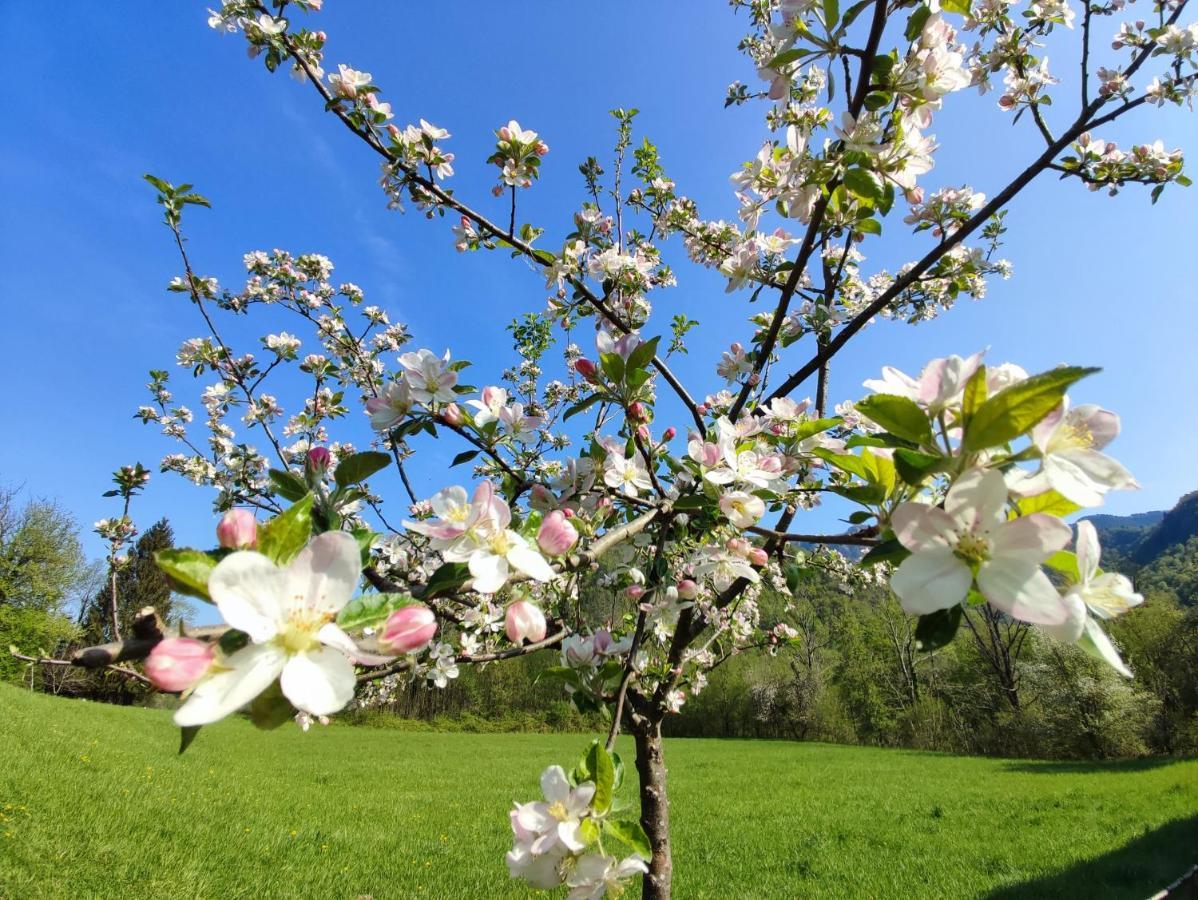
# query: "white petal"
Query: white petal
{"points": [[1022, 590], [977, 498], [332, 636], [531, 563], [919, 526], [1030, 539], [1088, 550], [490, 571], [931, 580], [1075, 620], [248, 589], [245, 675], [1096, 643], [319, 682], [554, 784], [325, 574]]}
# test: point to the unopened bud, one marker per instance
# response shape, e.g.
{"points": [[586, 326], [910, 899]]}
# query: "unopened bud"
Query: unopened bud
{"points": [[237, 530], [453, 415], [525, 622]]}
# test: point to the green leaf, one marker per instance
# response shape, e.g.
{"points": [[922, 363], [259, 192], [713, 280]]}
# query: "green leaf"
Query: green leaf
{"points": [[795, 576], [936, 630], [916, 22], [888, 551], [868, 226], [1050, 502], [365, 538], [270, 709], [865, 184], [448, 579], [187, 570], [786, 57], [831, 13], [642, 355], [846, 462], [288, 485], [186, 736], [604, 770], [913, 467], [958, 6], [463, 457], [815, 426], [975, 394], [371, 610], [1015, 410], [360, 466], [582, 406], [287, 534], [629, 832], [613, 366], [1065, 562], [901, 416]]}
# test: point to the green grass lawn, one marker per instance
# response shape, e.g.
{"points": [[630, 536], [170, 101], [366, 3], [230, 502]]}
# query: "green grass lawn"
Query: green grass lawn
{"points": [[94, 802]]}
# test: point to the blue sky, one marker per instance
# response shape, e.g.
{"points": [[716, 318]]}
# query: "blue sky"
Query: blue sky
{"points": [[103, 98]]}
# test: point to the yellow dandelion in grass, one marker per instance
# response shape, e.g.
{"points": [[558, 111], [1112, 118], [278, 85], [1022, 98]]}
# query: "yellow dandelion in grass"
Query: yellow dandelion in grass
{"points": [[294, 832]]}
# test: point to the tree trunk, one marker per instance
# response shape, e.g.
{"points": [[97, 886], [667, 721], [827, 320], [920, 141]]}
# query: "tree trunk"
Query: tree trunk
{"points": [[655, 810]]}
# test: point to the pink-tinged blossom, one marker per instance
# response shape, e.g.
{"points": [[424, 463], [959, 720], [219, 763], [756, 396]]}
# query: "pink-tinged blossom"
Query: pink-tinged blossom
{"points": [[409, 629], [390, 407], [1095, 595], [1069, 441], [478, 535], [556, 535], [554, 825], [621, 346], [429, 377], [940, 385], [493, 401], [455, 515], [596, 876], [176, 664], [971, 540], [524, 622], [237, 530], [288, 613], [348, 82]]}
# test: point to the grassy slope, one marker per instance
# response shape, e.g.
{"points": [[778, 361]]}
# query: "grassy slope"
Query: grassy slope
{"points": [[93, 800]]}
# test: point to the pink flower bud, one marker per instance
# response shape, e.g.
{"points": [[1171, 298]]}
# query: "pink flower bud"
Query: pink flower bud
{"points": [[524, 622], [914, 195], [408, 629], [758, 557], [237, 530], [585, 368], [739, 546], [557, 535], [642, 431], [687, 589], [568, 513], [669, 434], [176, 664], [319, 459], [638, 412], [635, 592], [602, 641], [452, 415]]}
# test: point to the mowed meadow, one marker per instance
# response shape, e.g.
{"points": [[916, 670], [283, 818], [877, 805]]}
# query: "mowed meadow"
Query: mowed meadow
{"points": [[95, 802]]}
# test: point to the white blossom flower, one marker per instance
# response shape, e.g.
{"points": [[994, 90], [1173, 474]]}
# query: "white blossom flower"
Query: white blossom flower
{"points": [[429, 376], [970, 539], [288, 613], [1104, 595], [595, 876]]}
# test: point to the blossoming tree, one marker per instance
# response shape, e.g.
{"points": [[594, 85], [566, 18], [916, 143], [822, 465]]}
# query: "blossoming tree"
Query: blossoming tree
{"points": [[959, 476]]}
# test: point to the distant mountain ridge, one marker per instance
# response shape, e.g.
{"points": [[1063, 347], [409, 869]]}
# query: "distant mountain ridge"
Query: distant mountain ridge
{"points": [[1159, 548]]}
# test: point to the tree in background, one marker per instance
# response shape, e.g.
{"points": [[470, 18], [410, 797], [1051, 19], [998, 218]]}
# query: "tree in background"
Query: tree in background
{"points": [[139, 584], [42, 571]]}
